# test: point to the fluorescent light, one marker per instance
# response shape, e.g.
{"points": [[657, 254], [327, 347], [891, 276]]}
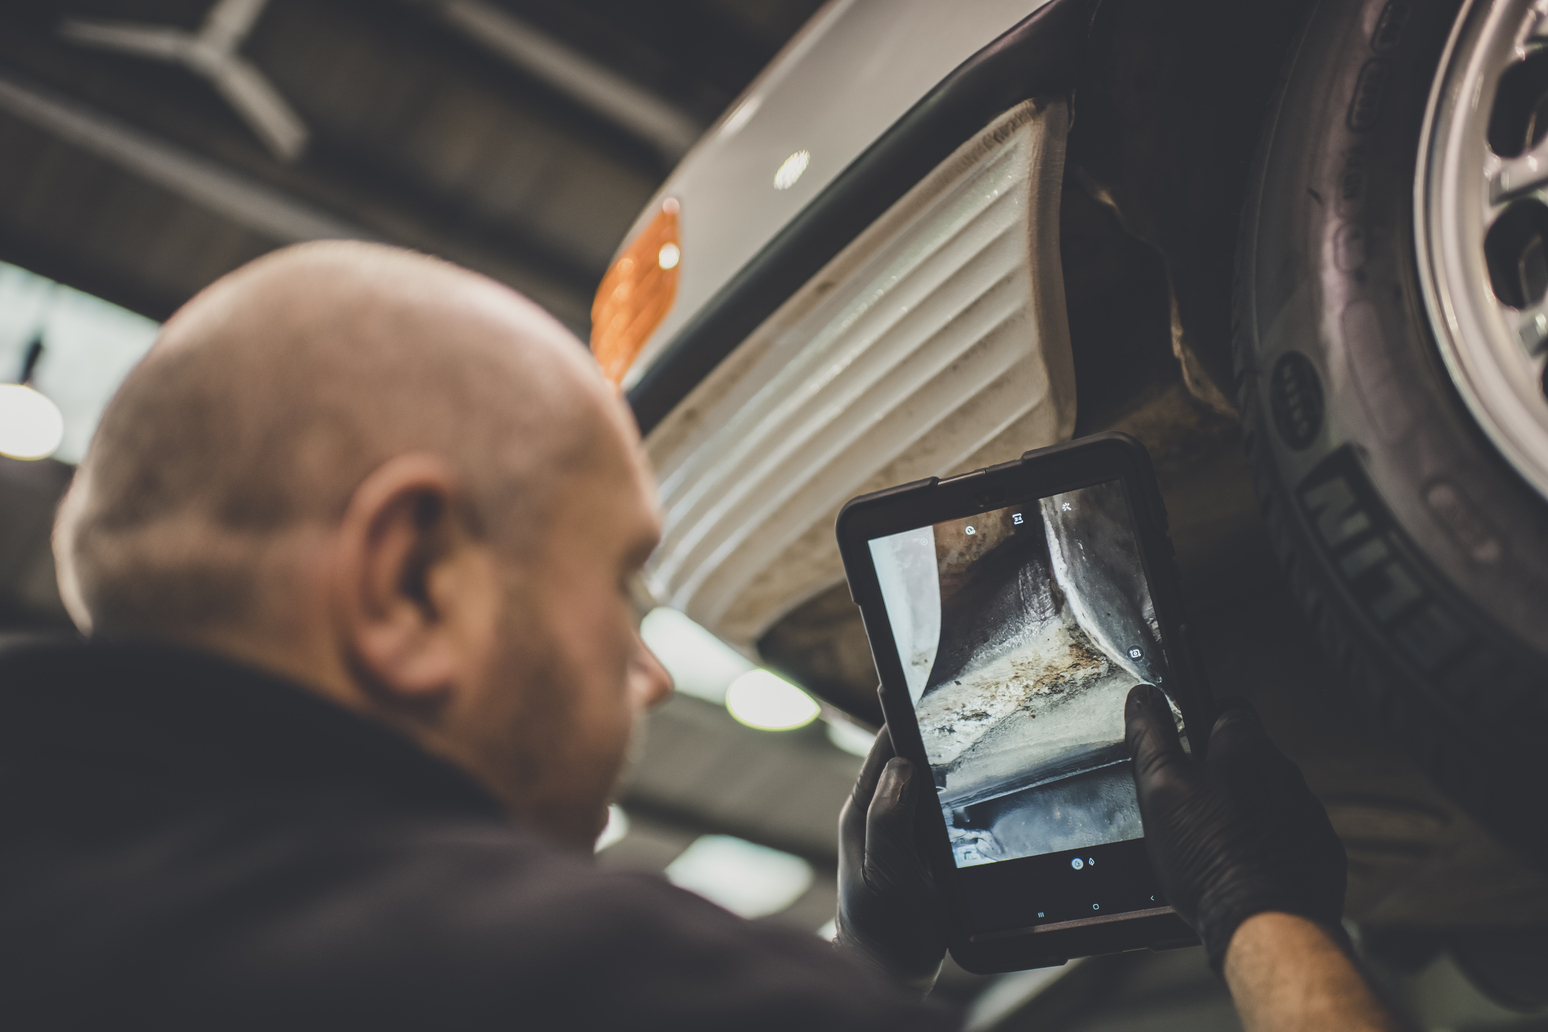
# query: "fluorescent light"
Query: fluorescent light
{"points": [[89, 345], [617, 827], [705, 667], [768, 702], [1009, 993], [852, 738], [701, 664], [30, 425], [746, 879]]}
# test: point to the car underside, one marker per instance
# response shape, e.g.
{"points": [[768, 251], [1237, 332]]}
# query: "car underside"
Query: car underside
{"points": [[1318, 585]]}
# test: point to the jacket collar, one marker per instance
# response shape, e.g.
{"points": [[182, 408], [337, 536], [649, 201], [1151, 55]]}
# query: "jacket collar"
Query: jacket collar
{"points": [[127, 706]]}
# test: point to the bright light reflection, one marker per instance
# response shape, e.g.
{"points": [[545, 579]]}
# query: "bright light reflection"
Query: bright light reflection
{"points": [[617, 827], [701, 664], [768, 702], [791, 170], [668, 256], [829, 931], [748, 880], [852, 738], [31, 426], [741, 116]]}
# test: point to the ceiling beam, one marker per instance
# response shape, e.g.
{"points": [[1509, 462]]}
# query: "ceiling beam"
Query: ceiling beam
{"points": [[669, 129], [211, 53], [246, 202]]}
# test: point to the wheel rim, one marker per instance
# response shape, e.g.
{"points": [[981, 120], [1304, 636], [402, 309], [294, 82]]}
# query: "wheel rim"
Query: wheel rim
{"points": [[1481, 214]]}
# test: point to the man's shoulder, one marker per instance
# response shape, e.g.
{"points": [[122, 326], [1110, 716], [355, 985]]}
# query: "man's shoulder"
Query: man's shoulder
{"points": [[414, 921], [193, 845]]}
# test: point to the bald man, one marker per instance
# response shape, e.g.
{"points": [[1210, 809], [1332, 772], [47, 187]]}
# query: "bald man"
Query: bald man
{"points": [[353, 548]]}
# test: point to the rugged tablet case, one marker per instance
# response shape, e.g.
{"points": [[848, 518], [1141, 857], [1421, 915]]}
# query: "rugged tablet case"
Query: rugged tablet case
{"points": [[1076, 463]]}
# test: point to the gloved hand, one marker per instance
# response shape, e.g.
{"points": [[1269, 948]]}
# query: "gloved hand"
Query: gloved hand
{"points": [[1235, 835], [888, 911]]}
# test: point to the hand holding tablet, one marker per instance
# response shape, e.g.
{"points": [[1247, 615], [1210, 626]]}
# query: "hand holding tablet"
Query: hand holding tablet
{"points": [[1236, 834], [1010, 611]]}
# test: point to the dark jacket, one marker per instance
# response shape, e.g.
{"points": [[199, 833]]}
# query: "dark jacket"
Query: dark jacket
{"points": [[189, 843]]}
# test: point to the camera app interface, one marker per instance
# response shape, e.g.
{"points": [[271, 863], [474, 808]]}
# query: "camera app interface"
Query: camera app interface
{"points": [[1021, 631]]}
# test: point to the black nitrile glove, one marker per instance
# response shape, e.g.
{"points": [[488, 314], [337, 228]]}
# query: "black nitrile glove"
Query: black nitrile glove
{"points": [[888, 911], [1235, 835]]}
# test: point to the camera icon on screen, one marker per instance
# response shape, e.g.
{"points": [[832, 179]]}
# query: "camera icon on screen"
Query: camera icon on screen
{"points": [[1135, 653]]}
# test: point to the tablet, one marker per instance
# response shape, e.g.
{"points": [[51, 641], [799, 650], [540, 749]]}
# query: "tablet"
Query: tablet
{"points": [[1010, 610]]}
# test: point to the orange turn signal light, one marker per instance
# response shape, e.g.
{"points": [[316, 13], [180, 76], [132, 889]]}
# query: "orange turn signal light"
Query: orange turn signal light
{"points": [[636, 294]]}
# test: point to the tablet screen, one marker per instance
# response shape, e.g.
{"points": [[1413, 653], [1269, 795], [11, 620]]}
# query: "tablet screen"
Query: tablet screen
{"points": [[1020, 631]]}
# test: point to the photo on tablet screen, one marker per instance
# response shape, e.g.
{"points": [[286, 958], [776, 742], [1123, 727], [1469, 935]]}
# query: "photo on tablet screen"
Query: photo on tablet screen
{"points": [[1021, 631]]}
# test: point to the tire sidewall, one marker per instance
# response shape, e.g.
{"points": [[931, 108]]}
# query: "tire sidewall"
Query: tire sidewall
{"points": [[1327, 271]]}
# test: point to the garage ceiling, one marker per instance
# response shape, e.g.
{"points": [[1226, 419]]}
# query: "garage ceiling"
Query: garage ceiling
{"points": [[152, 145]]}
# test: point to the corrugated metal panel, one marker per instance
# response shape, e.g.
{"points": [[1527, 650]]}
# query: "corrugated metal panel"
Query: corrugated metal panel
{"points": [[935, 342]]}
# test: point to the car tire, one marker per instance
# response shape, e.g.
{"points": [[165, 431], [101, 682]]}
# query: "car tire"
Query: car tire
{"points": [[1417, 552]]}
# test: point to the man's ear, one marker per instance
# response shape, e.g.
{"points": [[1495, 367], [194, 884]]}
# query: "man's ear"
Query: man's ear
{"points": [[415, 595]]}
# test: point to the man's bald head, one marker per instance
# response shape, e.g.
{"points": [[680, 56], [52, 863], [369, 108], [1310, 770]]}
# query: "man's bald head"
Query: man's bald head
{"points": [[401, 486], [273, 393]]}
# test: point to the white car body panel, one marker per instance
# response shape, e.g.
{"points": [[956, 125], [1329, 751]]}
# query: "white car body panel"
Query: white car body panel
{"points": [[936, 342], [855, 69]]}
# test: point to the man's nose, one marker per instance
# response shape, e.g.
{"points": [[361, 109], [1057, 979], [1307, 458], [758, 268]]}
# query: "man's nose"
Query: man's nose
{"points": [[651, 682]]}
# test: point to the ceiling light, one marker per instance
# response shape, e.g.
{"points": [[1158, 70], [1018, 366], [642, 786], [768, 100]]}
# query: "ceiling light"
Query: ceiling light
{"points": [[852, 738], [768, 702], [790, 170], [701, 664], [669, 256], [69, 346], [748, 880], [617, 827], [30, 424]]}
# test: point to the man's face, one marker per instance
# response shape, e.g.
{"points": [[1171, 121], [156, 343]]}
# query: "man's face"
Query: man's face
{"points": [[584, 675]]}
